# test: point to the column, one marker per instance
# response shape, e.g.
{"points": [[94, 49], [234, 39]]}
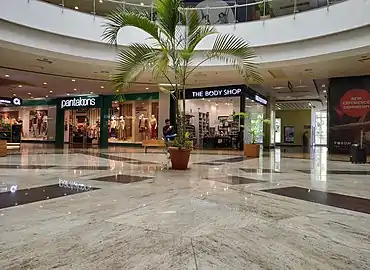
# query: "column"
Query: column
{"points": [[164, 111], [106, 103], [59, 128], [269, 128]]}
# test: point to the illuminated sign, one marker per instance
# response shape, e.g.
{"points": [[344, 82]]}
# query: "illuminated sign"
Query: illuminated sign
{"points": [[15, 101], [78, 102], [260, 100]]}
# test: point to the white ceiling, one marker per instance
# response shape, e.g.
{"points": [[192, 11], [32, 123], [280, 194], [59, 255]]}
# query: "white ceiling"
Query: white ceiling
{"points": [[32, 71]]}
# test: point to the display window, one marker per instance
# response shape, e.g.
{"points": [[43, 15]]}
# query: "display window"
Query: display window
{"points": [[82, 126], [37, 123], [254, 122], [211, 124], [133, 121]]}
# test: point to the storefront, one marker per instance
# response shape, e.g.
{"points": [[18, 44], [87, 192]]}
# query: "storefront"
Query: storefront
{"points": [[135, 119], [209, 115], [10, 120]]}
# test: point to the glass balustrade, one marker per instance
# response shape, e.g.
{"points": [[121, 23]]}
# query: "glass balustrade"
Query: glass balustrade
{"points": [[210, 11]]}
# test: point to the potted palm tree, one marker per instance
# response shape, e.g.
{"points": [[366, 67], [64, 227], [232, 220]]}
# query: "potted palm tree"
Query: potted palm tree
{"points": [[266, 10], [253, 127], [172, 56]]}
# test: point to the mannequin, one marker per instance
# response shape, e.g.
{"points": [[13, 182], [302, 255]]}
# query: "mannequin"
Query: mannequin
{"points": [[45, 124], [113, 126], [39, 122], [143, 126], [121, 128], [153, 127], [20, 122]]}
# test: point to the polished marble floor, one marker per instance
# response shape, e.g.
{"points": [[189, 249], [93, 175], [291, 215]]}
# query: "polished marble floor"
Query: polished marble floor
{"points": [[117, 209]]}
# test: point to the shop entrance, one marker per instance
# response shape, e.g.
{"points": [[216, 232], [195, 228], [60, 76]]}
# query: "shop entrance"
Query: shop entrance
{"points": [[82, 127]]}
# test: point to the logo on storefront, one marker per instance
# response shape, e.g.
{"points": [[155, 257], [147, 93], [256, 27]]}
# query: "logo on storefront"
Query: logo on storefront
{"points": [[11, 101], [204, 93], [78, 102], [260, 100]]}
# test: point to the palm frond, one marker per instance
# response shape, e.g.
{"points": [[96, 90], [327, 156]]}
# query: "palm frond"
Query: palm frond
{"points": [[168, 16], [132, 61], [122, 17], [237, 52], [196, 31]]}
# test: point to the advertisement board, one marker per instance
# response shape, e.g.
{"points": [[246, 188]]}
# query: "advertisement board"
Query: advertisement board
{"points": [[349, 113]]}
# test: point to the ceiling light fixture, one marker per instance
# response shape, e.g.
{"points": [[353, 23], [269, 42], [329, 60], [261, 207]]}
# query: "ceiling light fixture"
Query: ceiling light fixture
{"points": [[102, 87], [14, 94], [45, 83], [29, 93], [324, 91], [19, 86], [323, 85], [142, 4], [46, 96], [7, 76], [75, 89], [50, 91], [73, 80], [100, 1], [67, 94], [76, 7], [146, 88], [31, 97], [91, 92], [278, 87]]}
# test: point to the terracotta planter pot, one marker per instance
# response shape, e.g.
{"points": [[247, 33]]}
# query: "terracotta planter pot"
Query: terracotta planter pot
{"points": [[179, 158], [252, 150]]}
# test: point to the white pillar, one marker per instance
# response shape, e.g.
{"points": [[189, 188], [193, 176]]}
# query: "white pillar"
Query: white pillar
{"points": [[164, 111]]}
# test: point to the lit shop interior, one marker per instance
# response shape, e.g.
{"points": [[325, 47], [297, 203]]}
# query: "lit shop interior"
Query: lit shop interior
{"points": [[36, 123], [212, 124], [82, 126], [133, 121]]}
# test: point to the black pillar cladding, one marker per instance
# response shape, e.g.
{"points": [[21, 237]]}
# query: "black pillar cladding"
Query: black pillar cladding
{"points": [[348, 113]]}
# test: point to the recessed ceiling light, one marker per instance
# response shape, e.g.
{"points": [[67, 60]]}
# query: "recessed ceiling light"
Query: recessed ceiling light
{"points": [[14, 94], [29, 93], [67, 94], [91, 92], [323, 85], [46, 96], [146, 88], [7, 76], [31, 97], [45, 83], [50, 91], [279, 87], [73, 80], [102, 87], [324, 91], [76, 7], [142, 3], [75, 89], [100, 1], [19, 86]]}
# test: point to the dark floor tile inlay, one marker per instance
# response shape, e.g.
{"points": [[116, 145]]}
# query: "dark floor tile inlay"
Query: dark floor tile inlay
{"points": [[209, 163], [122, 178], [36, 194], [326, 198], [26, 167], [235, 180], [339, 172], [96, 168], [230, 160], [117, 158], [252, 170]]}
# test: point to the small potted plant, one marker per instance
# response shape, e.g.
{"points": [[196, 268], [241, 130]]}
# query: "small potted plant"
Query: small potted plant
{"points": [[266, 11], [253, 128], [180, 152]]}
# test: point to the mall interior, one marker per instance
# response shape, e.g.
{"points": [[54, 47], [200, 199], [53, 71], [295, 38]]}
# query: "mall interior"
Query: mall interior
{"points": [[78, 191]]}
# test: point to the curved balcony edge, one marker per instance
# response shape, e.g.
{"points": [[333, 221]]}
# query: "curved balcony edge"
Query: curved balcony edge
{"points": [[317, 23]]}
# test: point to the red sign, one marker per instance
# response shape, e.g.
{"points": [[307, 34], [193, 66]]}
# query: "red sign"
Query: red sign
{"points": [[355, 102]]}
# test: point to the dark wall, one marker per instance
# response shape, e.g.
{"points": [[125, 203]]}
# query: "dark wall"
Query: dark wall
{"points": [[348, 113]]}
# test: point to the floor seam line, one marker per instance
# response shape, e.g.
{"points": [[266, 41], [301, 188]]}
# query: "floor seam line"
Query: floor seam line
{"points": [[195, 257]]}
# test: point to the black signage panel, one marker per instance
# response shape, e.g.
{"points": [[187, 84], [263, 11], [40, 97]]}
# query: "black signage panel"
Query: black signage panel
{"points": [[215, 92], [15, 101]]}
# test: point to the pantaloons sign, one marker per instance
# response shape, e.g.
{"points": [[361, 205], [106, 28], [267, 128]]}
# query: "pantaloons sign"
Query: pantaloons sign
{"points": [[78, 102]]}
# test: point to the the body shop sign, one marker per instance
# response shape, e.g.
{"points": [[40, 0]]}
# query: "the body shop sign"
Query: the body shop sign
{"points": [[78, 102], [213, 93]]}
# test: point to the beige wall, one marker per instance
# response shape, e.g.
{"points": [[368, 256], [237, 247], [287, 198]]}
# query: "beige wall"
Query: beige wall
{"points": [[298, 119]]}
